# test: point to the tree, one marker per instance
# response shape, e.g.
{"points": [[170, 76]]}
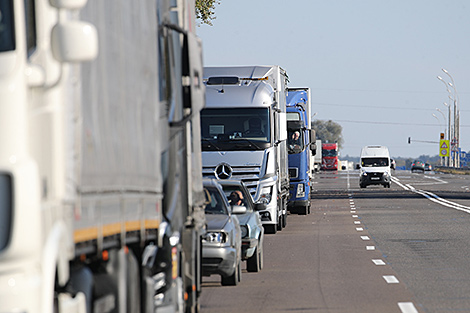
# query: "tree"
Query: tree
{"points": [[205, 10], [328, 131]]}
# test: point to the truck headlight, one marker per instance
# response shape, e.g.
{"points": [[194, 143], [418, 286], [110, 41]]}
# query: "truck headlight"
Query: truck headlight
{"points": [[364, 174], [266, 195], [215, 237], [300, 191]]}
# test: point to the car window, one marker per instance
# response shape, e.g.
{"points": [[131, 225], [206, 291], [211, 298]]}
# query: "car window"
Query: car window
{"points": [[214, 202], [230, 190]]}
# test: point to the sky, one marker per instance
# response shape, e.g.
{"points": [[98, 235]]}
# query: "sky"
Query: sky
{"points": [[371, 65]]}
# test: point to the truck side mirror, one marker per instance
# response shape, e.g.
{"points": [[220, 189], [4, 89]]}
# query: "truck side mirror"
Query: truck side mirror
{"points": [[313, 148]]}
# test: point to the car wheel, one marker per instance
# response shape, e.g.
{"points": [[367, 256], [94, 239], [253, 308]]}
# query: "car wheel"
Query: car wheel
{"points": [[239, 270], [261, 255], [233, 279], [362, 186], [253, 263]]}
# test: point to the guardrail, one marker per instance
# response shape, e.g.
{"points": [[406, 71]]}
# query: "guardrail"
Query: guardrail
{"points": [[452, 170]]}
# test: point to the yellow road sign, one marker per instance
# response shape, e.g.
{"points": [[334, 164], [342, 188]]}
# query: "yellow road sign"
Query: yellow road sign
{"points": [[444, 148]]}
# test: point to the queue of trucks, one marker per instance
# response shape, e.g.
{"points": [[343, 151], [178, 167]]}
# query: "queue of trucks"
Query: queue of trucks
{"points": [[101, 198], [109, 124]]}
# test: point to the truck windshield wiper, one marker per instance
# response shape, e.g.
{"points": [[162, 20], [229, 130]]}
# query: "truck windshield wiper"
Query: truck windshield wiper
{"points": [[210, 143], [251, 143]]}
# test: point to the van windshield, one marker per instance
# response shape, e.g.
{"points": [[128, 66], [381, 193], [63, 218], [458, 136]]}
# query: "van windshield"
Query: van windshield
{"points": [[374, 162]]}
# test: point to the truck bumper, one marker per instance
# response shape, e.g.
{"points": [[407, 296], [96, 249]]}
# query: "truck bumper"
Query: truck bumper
{"points": [[298, 203]]}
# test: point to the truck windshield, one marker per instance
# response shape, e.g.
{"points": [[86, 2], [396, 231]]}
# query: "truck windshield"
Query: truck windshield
{"points": [[374, 162], [235, 129], [329, 153], [7, 30]]}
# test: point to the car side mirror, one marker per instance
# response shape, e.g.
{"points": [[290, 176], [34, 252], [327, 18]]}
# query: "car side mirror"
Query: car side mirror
{"points": [[259, 206], [238, 209]]}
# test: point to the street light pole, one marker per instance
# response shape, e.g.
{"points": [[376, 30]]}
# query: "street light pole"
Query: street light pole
{"points": [[456, 120], [448, 130], [451, 129]]}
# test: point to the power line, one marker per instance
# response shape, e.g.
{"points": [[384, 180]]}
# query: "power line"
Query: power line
{"points": [[390, 123], [376, 107]]}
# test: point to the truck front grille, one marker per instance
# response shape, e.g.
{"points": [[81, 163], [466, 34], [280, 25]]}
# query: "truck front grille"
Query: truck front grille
{"points": [[248, 174]]}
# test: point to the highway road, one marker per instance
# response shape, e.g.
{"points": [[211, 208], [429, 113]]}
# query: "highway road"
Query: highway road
{"points": [[403, 249]]}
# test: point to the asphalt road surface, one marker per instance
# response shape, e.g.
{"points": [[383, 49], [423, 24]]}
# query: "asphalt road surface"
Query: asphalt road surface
{"points": [[403, 249]]}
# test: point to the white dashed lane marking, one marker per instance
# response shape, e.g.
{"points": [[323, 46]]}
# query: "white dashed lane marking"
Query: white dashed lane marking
{"points": [[390, 279], [407, 307], [378, 262]]}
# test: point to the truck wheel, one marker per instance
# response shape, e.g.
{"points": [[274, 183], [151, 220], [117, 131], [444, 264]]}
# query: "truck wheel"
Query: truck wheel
{"points": [[309, 208], [303, 210], [284, 220], [362, 186], [279, 223]]}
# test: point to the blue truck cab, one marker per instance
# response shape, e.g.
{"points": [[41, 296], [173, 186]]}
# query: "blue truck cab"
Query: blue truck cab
{"points": [[301, 148]]}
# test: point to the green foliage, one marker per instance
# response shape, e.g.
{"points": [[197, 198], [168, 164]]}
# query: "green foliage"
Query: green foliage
{"points": [[205, 11], [328, 131]]}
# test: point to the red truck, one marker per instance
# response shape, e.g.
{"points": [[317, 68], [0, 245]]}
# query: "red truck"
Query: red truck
{"points": [[329, 156]]}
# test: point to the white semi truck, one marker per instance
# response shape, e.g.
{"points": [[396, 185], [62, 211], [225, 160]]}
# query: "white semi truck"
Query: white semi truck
{"points": [[244, 132], [101, 199]]}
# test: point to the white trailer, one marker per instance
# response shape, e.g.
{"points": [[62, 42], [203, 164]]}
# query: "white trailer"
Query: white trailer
{"points": [[318, 156], [100, 182]]}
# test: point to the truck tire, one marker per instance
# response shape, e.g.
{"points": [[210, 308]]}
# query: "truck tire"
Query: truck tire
{"points": [[279, 223], [303, 210]]}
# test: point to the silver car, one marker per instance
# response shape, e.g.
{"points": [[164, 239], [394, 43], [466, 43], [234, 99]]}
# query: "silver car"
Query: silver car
{"points": [[221, 244], [250, 222]]}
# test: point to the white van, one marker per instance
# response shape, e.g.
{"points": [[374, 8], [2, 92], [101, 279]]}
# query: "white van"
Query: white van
{"points": [[375, 167]]}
